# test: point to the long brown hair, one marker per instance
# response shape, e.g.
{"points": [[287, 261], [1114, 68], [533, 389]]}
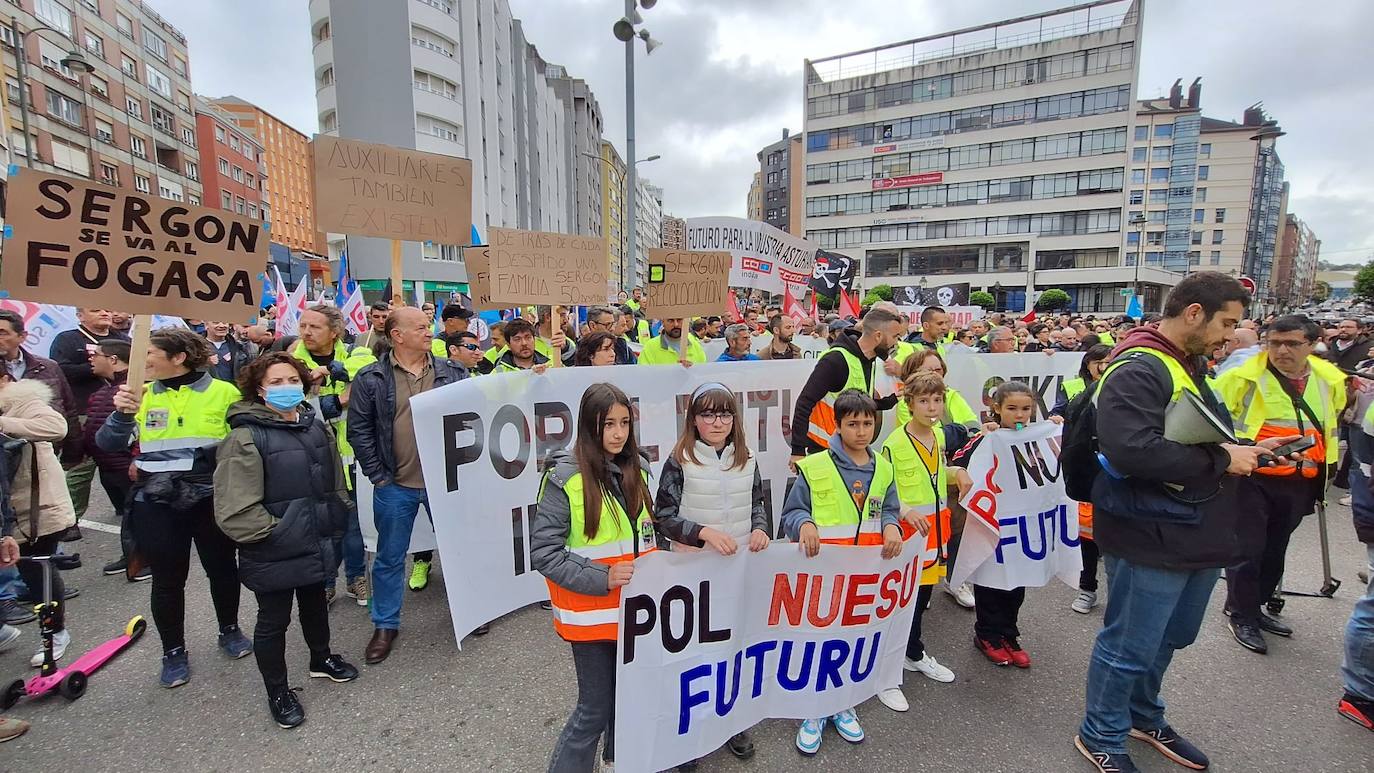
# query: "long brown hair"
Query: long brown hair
{"points": [[592, 462], [711, 397]]}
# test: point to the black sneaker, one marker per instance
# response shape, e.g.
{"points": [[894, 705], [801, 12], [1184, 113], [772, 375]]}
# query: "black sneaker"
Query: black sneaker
{"points": [[67, 562], [71, 534], [1274, 626], [69, 592], [741, 745], [116, 567], [144, 574], [14, 613], [1249, 636], [335, 669], [1173, 746], [286, 708], [1106, 762]]}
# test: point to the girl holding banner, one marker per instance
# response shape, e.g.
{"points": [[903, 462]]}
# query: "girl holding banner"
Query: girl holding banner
{"points": [[995, 632], [713, 478], [916, 451]]}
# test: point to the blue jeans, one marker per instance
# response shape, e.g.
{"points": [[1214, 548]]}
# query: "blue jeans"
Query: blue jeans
{"points": [[1151, 612], [394, 508], [348, 549], [1358, 666], [9, 584]]}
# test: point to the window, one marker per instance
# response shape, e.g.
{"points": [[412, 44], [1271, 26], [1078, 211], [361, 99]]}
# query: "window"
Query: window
{"points": [[1159, 175], [162, 120], [1199, 215], [434, 84], [233, 142], [1137, 176], [154, 44], [104, 130], [188, 136], [1164, 130], [219, 134], [158, 81], [1159, 196], [1194, 258], [239, 204], [1133, 237], [249, 181], [1202, 172], [1200, 195], [326, 77], [71, 157], [109, 174], [1137, 155], [52, 55], [419, 36], [223, 167], [238, 174], [129, 66], [252, 210], [1205, 150], [193, 170], [64, 109], [184, 101], [1217, 236], [1216, 257], [55, 14], [1142, 133], [125, 26], [1161, 153], [442, 5], [226, 200], [1137, 197], [1197, 237], [1154, 239], [193, 199], [436, 127], [137, 146], [179, 65], [1221, 216], [99, 86], [95, 44]]}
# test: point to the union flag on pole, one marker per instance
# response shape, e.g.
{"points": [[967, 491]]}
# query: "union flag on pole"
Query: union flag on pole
{"points": [[790, 306], [350, 300]]}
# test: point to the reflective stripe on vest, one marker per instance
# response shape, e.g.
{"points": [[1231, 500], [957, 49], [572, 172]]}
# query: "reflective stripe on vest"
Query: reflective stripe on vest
{"points": [[822, 424], [175, 426], [577, 616], [916, 491], [833, 510], [1262, 409]]}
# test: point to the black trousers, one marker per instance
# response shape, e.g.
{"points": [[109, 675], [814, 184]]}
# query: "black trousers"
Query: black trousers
{"points": [[1087, 579], [33, 575], [915, 648], [996, 612], [1273, 507], [165, 536], [274, 617], [117, 486]]}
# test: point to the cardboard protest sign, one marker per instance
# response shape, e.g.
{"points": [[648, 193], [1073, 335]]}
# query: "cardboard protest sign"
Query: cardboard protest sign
{"points": [[367, 189], [478, 261], [710, 645], [1022, 528], [537, 268], [79, 243], [686, 283]]}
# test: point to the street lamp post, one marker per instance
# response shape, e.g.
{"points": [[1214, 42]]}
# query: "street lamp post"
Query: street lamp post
{"points": [[625, 31], [621, 185], [74, 59], [1139, 222]]}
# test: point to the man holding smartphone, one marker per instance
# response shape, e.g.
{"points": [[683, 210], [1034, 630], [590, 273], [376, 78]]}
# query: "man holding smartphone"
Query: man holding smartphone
{"points": [[1284, 389]]}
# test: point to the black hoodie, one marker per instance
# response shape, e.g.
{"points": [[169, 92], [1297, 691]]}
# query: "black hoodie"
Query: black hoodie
{"points": [[830, 374]]}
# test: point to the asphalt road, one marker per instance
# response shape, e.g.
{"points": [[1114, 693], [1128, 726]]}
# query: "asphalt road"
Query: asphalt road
{"points": [[500, 702]]}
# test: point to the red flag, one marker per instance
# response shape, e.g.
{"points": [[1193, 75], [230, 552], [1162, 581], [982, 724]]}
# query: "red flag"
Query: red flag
{"points": [[815, 309], [733, 308], [1030, 316], [790, 306], [848, 306]]}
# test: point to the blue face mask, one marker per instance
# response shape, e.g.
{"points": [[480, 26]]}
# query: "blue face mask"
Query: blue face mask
{"points": [[284, 397]]}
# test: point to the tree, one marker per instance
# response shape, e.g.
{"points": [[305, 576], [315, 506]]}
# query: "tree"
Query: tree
{"points": [[1053, 299], [1364, 283], [827, 302], [877, 293], [982, 298], [1321, 291]]}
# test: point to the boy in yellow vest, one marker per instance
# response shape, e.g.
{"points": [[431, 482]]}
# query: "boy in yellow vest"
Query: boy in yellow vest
{"points": [[843, 496]]}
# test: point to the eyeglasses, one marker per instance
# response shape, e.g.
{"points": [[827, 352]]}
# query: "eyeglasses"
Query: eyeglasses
{"points": [[469, 347], [1287, 344], [716, 418]]}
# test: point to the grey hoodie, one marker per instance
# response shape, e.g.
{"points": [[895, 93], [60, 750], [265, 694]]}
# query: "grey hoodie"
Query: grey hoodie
{"points": [[797, 509], [549, 552]]}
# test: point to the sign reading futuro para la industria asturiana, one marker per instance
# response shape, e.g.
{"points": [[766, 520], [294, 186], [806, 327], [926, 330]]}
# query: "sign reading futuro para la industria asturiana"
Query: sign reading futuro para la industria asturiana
{"points": [[763, 257]]}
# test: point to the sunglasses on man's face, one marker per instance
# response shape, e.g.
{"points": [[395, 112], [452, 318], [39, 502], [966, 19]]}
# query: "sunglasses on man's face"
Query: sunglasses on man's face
{"points": [[469, 347]]}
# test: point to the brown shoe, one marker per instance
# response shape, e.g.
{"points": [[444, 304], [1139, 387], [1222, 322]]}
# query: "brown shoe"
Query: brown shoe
{"points": [[11, 728], [380, 645]]}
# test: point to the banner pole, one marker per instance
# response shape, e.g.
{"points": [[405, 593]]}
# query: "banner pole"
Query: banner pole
{"points": [[138, 351], [556, 318], [397, 291]]}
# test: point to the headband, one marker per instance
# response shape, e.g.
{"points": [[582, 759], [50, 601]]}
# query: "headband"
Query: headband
{"points": [[708, 387]]}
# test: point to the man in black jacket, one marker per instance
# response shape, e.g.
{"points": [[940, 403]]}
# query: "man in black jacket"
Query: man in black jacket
{"points": [[1347, 350], [381, 430], [1357, 704], [1165, 519]]}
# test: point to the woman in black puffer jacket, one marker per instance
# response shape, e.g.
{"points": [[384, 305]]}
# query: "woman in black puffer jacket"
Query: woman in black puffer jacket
{"points": [[280, 494]]}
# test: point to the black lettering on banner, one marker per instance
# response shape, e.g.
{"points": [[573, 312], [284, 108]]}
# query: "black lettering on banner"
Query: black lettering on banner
{"points": [[762, 401], [143, 285], [547, 439], [82, 267], [1024, 468], [455, 455], [520, 526], [171, 227], [509, 415], [134, 211], [207, 273], [48, 190], [705, 634], [678, 593], [39, 258], [640, 619], [94, 206]]}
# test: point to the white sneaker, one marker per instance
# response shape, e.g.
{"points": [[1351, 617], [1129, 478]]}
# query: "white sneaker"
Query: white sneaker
{"points": [[962, 594], [809, 735], [930, 668], [893, 698], [60, 640], [847, 725], [1087, 599], [1345, 500], [8, 634]]}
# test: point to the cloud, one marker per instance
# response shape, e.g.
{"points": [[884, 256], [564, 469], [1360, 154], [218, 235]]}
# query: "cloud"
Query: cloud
{"points": [[728, 78]]}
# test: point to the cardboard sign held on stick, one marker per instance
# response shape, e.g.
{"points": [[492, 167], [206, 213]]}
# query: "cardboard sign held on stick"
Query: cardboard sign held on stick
{"points": [[536, 268], [686, 283], [367, 189], [78, 243], [478, 260]]}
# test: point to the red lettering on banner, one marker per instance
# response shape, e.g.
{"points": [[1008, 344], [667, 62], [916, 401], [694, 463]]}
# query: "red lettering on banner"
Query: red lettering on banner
{"points": [[983, 503], [889, 594], [853, 598], [813, 609], [787, 597]]}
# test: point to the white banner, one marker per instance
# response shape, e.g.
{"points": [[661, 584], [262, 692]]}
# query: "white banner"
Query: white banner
{"points": [[483, 442], [421, 536], [959, 316], [811, 347], [43, 321], [1022, 528], [711, 645], [764, 257], [975, 376]]}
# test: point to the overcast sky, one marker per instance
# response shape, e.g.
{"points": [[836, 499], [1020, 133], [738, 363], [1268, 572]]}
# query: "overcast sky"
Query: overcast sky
{"points": [[728, 78]]}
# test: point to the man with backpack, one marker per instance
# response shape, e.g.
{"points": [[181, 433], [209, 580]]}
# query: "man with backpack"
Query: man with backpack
{"points": [[1165, 518]]}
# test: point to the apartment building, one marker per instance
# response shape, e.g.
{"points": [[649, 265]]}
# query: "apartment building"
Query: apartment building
{"points": [[613, 213], [120, 112], [674, 234], [648, 229], [753, 203], [778, 181], [231, 162], [1295, 268], [995, 155]]}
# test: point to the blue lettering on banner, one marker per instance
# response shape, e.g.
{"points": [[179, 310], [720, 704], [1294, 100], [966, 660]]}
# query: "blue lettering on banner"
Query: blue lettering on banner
{"points": [[818, 671], [1052, 525]]}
